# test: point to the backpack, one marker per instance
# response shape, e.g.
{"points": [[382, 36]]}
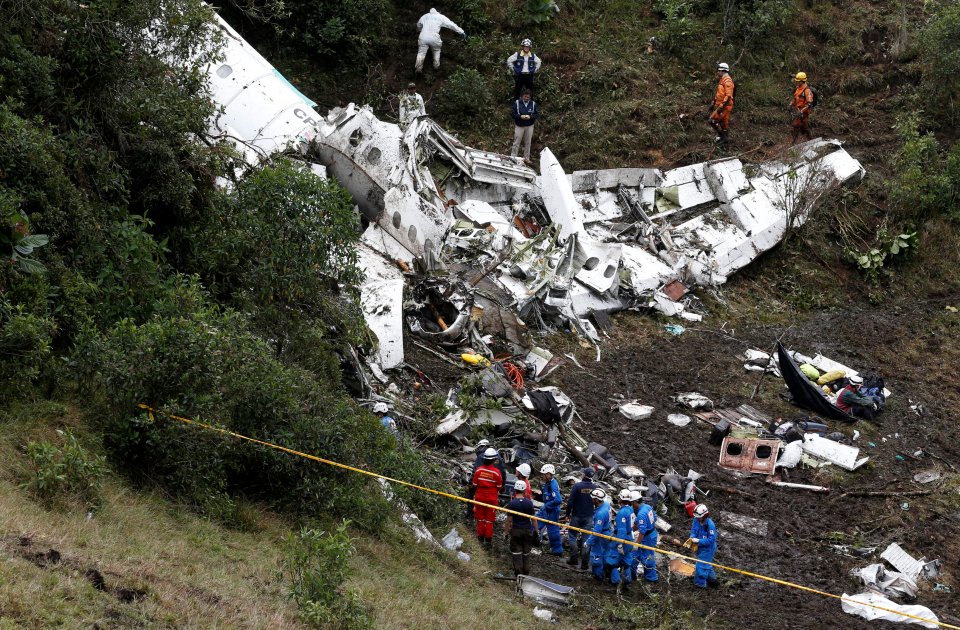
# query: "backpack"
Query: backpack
{"points": [[816, 96]]}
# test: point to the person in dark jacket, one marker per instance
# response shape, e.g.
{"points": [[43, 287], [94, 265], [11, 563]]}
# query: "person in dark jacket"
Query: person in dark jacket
{"points": [[524, 112], [579, 513], [521, 530]]}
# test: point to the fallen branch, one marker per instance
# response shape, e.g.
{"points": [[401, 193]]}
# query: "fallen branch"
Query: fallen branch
{"points": [[439, 355]]}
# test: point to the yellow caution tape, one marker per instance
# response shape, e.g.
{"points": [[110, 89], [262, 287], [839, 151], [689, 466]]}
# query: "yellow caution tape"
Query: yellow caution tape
{"points": [[151, 411]]}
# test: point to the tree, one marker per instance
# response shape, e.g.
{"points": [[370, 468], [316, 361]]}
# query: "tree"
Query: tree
{"points": [[282, 246], [940, 54]]}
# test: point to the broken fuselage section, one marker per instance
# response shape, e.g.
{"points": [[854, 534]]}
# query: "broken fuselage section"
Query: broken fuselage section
{"points": [[552, 250]]}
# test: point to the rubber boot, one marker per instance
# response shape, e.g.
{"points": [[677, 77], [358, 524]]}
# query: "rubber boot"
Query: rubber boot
{"points": [[518, 568], [574, 556], [526, 564]]}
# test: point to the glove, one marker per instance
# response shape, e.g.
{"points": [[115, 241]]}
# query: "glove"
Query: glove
{"points": [[620, 549], [876, 406], [695, 541]]}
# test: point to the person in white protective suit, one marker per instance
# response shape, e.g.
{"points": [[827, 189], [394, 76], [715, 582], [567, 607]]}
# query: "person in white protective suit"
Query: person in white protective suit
{"points": [[430, 25]]}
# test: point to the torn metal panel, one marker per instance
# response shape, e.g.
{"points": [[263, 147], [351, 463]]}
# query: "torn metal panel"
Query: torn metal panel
{"points": [[601, 262], [726, 179], [839, 454], [683, 188], [564, 210], [890, 583], [643, 271], [749, 455], [381, 241], [544, 592], [381, 298], [902, 561], [479, 166]]}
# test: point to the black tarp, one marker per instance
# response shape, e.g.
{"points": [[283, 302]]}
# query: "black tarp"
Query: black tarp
{"points": [[805, 393]]}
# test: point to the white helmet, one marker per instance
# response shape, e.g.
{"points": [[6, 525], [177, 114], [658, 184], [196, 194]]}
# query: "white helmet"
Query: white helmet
{"points": [[723, 66], [547, 468], [700, 511], [381, 407], [523, 470], [490, 453], [526, 42], [625, 495], [520, 486], [483, 443], [598, 494], [635, 495]]}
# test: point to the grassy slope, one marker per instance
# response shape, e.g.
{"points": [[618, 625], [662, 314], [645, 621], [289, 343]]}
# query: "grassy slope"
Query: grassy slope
{"points": [[195, 573]]}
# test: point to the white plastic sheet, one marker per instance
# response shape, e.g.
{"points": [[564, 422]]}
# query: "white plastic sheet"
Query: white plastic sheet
{"points": [[858, 609]]}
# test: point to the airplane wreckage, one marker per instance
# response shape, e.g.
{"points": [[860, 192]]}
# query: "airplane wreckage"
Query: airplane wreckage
{"points": [[468, 248]]}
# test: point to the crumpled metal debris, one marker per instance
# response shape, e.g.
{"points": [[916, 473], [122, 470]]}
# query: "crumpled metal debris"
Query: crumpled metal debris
{"points": [[556, 249], [889, 583]]}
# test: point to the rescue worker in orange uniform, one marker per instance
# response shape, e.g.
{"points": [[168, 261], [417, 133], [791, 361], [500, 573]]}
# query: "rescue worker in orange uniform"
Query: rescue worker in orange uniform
{"points": [[722, 103], [800, 107], [487, 480]]}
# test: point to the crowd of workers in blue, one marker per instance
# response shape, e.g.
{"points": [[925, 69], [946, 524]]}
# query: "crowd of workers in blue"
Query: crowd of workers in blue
{"points": [[587, 507]]}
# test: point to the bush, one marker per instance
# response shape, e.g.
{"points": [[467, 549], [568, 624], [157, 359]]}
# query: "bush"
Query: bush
{"points": [[316, 563], [678, 27], [940, 56], [25, 346], [279, 247], [67, 472], [927, 180], [463, 97], [339, 28]]}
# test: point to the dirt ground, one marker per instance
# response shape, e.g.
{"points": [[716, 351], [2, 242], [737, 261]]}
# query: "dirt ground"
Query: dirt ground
{"points": [[641, 360]]}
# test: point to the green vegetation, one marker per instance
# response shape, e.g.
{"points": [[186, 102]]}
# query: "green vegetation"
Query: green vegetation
{"points": [[316, 562]]}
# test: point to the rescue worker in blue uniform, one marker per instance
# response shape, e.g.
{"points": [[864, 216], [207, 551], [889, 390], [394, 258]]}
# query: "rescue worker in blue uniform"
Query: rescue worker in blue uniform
{"points": [[703, 538], [601, 560], [579, 514], [623, 529], [646, 526], [552, 501]]}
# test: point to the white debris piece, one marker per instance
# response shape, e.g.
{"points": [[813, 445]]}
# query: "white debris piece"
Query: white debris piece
{"points": [[890, 583], [679, 419], [544, 592], [633, 410], [902, 561], [453, 540], [839, 454], [451, 423], [790, 454], [862, 606], [381, 298], [693, 400], [543, 614], [561, 205]]}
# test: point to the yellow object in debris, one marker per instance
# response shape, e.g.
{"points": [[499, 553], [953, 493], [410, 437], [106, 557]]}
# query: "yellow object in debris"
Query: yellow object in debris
{"points": [[830, 377], [810, 372], [475, 359]]}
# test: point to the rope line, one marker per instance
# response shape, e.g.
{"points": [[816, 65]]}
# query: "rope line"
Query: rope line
{"points": [[151, 411]]}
